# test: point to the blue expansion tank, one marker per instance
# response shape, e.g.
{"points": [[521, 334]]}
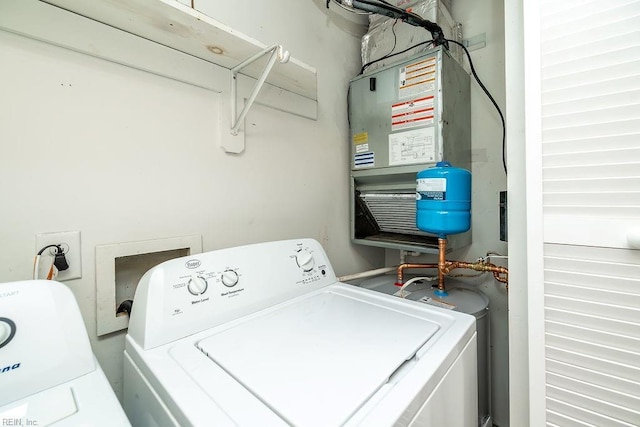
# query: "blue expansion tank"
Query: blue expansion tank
{"points": [[443, 198]]}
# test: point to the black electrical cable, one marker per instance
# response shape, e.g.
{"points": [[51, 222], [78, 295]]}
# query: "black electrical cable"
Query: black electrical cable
{"points": [[382, 7], [475, 75], [495, 104], [59, 260], [395, 36], [390, 55], [387, 9], [58, 249], [125, 306]]}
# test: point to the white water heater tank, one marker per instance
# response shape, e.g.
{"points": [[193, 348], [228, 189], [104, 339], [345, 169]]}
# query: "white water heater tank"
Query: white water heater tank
{"points": [[460, 297]]}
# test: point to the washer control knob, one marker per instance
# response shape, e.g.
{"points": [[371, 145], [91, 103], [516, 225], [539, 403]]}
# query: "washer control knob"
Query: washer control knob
{"points": [[305, 260], [229, 278], [7, 331], [197, 285]]}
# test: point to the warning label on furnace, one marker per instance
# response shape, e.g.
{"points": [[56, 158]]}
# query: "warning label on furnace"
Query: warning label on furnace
{"points": [[414, 113], [417, 78], [360, 138], [413, 146]]}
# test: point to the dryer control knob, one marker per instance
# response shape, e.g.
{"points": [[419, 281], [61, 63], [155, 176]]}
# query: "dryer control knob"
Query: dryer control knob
{"points": [[7, 331], [197, 285], [229, 278], [305, 260]]}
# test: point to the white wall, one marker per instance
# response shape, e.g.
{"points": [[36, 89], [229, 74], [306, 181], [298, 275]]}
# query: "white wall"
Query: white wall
{"points": [[124, 155], [488, 179]]}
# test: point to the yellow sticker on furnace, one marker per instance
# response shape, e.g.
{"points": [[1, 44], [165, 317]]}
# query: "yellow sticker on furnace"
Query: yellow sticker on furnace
{"points": [[360, 138]]}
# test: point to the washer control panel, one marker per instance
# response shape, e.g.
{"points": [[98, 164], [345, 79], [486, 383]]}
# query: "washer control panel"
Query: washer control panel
{"points": [[197, 285], [305, 260], [186, 295], [229, 278]]}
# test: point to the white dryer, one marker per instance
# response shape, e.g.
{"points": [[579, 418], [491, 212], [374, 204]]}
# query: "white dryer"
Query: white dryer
{"points": [[264, 335], [48, 373]]}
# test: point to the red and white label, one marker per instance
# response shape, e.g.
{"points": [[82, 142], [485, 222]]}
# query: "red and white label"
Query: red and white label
{"points": [[414, 113]]}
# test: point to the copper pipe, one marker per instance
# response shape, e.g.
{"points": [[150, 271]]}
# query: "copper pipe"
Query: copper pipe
{"points": [[442, 262], [501, 274], [503, 279], [402, 267], [477, 266]]}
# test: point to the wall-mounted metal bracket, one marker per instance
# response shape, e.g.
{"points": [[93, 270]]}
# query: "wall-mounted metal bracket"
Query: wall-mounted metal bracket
{"points": [[475, 42], [233, 142]]}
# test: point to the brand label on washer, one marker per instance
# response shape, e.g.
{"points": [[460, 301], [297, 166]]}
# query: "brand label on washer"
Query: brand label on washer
{"points": [[8, 368], [192, 263]]}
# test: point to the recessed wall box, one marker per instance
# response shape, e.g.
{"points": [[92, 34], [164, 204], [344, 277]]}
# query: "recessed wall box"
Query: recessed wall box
{"points": [[120, 266], [418, 115]]}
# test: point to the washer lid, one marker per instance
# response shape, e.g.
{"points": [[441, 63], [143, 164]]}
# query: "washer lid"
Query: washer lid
{"points": [[316, 362]]}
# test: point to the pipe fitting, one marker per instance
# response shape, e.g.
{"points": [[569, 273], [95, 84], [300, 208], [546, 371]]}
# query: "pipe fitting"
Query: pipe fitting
{"points": [[402, 267], [501, 274]]}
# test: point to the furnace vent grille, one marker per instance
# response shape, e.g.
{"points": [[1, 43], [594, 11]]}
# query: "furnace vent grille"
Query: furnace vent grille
{"points": [[394, 212]]}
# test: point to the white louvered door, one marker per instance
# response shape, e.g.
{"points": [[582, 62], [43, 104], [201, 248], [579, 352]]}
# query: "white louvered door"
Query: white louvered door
{"points": [[592, 336], [590, 57], [590, 135]]}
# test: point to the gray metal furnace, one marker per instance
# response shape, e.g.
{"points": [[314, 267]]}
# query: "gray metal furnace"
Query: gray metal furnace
{"points": [[405, 118]]}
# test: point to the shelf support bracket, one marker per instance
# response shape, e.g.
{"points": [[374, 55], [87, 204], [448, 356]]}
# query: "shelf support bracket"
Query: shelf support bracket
{"points": [[234, 141]]}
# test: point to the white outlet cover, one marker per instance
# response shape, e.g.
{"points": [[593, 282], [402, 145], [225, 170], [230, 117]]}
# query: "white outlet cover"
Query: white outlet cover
{"points": [[70, 241]]}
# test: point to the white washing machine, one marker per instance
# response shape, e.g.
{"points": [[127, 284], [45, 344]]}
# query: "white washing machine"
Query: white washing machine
{"points": [[48, 373], [264, 335]]}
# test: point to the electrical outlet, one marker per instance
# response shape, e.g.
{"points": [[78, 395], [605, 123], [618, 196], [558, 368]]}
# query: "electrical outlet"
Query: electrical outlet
{"points": [[70, 242]]}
